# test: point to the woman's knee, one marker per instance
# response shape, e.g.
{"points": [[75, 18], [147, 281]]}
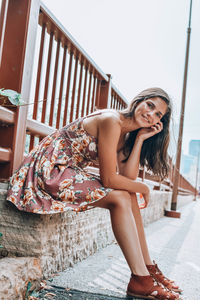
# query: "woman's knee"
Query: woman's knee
{"points": [[120, 198]]}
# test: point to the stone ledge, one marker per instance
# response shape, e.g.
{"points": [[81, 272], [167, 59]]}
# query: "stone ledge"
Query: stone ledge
{"points": [[61, 240], [15, 274]]}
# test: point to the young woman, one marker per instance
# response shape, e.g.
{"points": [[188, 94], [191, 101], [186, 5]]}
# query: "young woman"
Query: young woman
{"points": [[53, 177]]}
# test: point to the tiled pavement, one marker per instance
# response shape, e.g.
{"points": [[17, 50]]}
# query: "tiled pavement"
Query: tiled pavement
{"points": [[173, 243]]}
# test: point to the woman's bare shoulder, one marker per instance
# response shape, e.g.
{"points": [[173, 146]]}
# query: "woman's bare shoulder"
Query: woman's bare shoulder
{"points": [[102, 119], [109, 116]]}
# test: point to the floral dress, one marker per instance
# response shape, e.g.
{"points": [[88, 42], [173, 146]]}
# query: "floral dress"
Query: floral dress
{"points": [[52, 178]]}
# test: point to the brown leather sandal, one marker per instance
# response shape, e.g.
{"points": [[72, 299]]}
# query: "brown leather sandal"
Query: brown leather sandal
{"points": [[158, 275], [146, 287]]}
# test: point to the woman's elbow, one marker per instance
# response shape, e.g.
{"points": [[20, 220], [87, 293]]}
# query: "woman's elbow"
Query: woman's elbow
{"points": [[106, 182], [131, 176]]}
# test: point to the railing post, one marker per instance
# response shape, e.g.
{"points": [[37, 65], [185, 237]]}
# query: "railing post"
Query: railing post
{"points": [[3, 15], [16, 71], [105, 93]]}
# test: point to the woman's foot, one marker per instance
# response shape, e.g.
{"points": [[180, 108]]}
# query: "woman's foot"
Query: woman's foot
{"points": [[146, 287], [158, 275]]}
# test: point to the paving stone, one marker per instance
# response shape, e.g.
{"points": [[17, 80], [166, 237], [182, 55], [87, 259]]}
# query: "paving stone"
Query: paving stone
{"points": [[173, 243]]}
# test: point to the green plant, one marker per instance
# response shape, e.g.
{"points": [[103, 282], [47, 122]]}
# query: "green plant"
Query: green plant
{"points": [[13, 97], [28, 290], [1, 234]]}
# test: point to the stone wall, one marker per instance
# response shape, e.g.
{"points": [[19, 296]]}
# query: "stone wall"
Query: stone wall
{"points": [[60, 240]]}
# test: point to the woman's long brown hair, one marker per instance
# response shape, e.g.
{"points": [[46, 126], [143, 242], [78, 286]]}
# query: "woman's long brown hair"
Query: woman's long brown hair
{"points": [[154, 149]]}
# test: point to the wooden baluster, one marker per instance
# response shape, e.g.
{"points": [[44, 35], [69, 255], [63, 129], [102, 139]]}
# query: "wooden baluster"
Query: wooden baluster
{"points": [[79, 91], [73, 90], [93, 94], [112, 98], [44, 106], [171, 172], [89, 92], [115, 103], [84, 92], [54, 84], [118, 104], [98, 94], [61, 88], [37, 88], [68, 88], [143, 174], [105, 93]]}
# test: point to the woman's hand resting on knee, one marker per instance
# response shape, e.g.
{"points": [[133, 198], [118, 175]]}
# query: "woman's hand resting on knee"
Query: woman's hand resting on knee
{"points": [[146, 197]]}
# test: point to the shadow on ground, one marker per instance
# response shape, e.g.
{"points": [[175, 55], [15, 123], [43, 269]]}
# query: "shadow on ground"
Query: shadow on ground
{"points": [[60, 293]]}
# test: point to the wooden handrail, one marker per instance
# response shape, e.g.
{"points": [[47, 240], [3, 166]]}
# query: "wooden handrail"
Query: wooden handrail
{"points": [[59, 27], [5, 154], [119, 94], [6, 115], [38, 129]]}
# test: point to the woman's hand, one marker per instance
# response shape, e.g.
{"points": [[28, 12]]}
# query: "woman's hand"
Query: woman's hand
{"points": [[147, 132], [146, 200], [144, 195]]}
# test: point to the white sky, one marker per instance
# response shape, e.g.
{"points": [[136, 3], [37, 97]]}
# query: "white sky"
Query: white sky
{"points": [[142, 44]]}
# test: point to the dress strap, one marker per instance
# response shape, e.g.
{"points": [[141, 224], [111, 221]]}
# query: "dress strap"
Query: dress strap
{"points": [[88, 116], [92, 115]]}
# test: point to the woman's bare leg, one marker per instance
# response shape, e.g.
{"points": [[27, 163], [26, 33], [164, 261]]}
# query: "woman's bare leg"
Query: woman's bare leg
{"points": [[124, 227], [140, 230]]}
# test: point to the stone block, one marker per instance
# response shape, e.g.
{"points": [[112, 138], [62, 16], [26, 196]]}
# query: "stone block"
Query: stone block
{"points": [[15, 274], [61, 240]]}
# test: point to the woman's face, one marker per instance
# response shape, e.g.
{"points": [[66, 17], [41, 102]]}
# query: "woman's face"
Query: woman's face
{"points": [[149, 112]]}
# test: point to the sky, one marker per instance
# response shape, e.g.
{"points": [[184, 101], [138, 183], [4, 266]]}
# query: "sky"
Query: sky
{"points": [[142, 44]]}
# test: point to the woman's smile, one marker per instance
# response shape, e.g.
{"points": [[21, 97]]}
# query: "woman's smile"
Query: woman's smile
{"points": [[145, 118]]}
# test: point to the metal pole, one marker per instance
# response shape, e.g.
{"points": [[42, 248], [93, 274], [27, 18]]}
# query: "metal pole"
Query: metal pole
{"points": [[179, 145], [197, 172]]}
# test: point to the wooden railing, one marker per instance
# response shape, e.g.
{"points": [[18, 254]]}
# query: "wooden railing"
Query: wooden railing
{"points": [[75, 87], [58, 81]]}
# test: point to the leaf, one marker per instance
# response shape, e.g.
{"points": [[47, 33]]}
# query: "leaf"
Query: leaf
{"points": [[50, 295], [28, 289], [13, 96]]}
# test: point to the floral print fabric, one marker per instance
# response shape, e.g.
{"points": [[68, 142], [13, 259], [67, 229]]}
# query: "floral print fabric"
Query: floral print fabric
{"points": [[52, 177]]}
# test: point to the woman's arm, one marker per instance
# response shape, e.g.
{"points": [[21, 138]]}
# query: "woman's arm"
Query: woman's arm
{"points": [[109, 132], [130, 168]]}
